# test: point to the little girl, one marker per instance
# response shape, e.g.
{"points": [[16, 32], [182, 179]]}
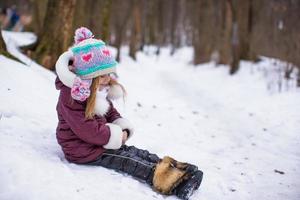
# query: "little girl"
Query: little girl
{"points": [[91, 131]]}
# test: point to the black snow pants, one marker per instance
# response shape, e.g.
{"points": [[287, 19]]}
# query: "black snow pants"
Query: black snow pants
{"points": [[131, 160], [140, 164]]}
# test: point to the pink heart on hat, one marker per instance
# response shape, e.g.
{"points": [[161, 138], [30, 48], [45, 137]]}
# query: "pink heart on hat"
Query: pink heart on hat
{"points": [[106, 52], [87, 57]]}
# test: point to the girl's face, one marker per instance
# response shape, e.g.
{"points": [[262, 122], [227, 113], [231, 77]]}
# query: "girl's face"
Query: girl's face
{"points": [[104, 80]]}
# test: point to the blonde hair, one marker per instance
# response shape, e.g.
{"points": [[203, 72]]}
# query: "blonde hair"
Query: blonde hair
{"points": [[91, 101]]}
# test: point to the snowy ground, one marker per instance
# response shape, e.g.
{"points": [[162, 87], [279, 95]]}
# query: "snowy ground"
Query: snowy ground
{"points": [[244, 138]]}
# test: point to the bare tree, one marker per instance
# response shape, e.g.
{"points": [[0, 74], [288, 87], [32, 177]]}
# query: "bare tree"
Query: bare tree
{"points": [[120, 22], [57, 32], [82, 14], [38, 15], [174, 22], [136, 29], [204, 33], [106, 15]]}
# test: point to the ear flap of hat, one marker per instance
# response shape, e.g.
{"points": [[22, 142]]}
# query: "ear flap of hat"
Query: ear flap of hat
{"points": [[66, 76], [81, 89]]}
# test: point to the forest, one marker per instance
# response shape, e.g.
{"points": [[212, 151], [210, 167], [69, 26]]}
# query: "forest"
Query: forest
{"points": [[225, 31]]}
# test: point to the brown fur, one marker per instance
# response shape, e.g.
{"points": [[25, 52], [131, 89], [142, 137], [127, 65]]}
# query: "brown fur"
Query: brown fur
{"points": [[168, 174]]}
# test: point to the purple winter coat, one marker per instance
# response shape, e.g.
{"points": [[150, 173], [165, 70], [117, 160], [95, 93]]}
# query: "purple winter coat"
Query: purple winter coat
{"points": [[81, 139]]}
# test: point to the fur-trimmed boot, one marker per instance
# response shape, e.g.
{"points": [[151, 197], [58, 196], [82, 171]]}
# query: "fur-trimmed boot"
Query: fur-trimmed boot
{"points": [[173, 177]]}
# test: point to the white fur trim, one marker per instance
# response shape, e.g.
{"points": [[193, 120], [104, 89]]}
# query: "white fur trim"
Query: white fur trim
{"points": [[115, 92], [101, 104], [116, 135], [62, 69], [124, 124]]}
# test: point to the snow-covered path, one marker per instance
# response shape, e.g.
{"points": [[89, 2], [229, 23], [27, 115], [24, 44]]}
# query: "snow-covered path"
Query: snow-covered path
{"points": [[231, 127]]}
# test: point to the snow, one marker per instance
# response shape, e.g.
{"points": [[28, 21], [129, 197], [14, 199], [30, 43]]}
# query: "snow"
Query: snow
{"points": [[232, 127]]}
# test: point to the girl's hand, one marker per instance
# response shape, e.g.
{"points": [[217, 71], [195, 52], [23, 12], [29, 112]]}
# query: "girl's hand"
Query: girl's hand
{"points": [[125, 136]]}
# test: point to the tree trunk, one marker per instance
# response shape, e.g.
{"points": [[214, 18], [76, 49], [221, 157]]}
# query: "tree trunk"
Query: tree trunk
{"points": [[204, 31], [243, 18], [143, 24], [235, 43], [151, 21], [121, 25], [95, 17], [57, 32], [160, 26], [136, 29], [106, 11], [38, 15], [225, 49], [174, 22], [80, 14], [36, 25]]}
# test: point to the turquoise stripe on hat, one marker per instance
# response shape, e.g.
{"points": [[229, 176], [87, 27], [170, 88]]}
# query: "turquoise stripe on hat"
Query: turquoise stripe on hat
{"points": [[96, 68], [87, 47]]}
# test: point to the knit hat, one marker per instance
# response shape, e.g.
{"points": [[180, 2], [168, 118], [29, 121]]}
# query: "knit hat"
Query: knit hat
{"points": [[91, 58]]}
